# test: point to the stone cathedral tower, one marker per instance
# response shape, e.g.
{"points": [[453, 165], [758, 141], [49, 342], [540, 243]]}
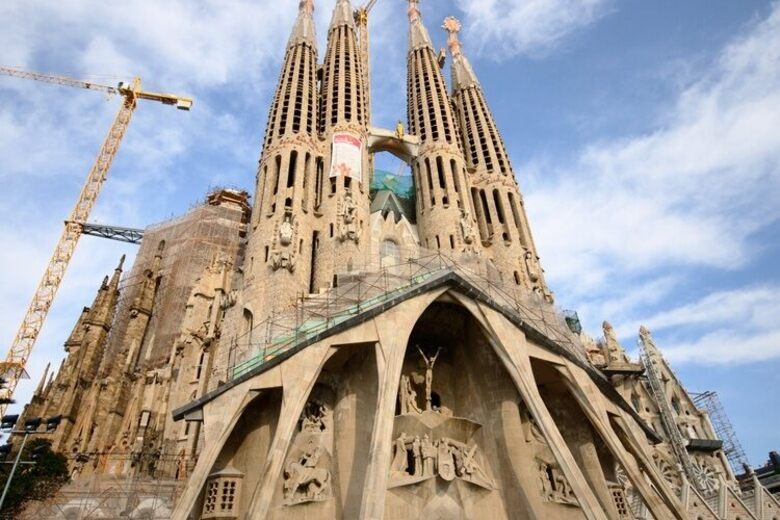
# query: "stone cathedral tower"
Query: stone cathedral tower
{"points": [[325, 354]]}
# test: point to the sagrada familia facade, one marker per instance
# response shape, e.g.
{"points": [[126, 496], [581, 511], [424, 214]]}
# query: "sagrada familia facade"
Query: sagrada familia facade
{"points": [[326, 353]]}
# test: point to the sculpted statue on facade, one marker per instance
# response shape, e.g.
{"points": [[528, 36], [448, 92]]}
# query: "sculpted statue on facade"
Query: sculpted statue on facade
{"points": [[555, 486], [429, 363], [532, 267], [304, 479], [283, 253], [467, 230], [313, 418], [407, 397], [420, 458], [348, 224]]}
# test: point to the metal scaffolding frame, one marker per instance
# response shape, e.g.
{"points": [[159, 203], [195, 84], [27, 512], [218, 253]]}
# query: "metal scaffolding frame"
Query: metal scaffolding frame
{"points": [[732, 448]]}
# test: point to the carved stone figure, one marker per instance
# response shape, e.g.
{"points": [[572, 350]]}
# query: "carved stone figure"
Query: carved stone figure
{"points": [[283, 251], [467, 229], [532, 266], [304, 481], [429, 456], [544, 480], [555, 486], [429, 362], [348, 225], [446, 462], [614, 351], [417, 455], [407, 397], [400, 463], [313, 417], [399, 130]]}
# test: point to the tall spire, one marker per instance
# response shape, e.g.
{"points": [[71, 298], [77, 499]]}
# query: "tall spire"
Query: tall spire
{"points": [[444, 207], [462, 73], [42, 385], [498, 203], [278, 251], [418, 34], [303, 30], [342, 15]]}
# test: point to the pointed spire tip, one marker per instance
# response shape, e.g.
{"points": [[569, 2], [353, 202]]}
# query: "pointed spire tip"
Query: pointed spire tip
{"points": [[452, 26]]}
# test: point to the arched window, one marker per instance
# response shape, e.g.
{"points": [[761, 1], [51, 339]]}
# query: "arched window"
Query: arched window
{"points": [[248, 325]]}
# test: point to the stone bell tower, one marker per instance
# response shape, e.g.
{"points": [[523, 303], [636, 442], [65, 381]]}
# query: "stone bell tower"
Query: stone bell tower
{"points": [[498, 203], [277, 264], [342, 197], [444, 211]]}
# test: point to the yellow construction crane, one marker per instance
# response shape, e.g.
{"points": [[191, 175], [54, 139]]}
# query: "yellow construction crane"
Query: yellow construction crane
{"points": [[13, 367], [361, 18]]}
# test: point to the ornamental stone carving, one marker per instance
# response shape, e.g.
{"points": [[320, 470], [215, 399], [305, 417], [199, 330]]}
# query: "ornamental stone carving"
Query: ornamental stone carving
{"points": [[467, 231], [555, 486], [347, 223], [283, 250], [305, 480]]}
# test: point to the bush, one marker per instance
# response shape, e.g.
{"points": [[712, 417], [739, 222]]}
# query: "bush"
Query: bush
{"points": [[33, 482]]}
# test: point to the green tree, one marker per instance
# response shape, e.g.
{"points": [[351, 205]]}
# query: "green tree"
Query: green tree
{"points": [[33, 482]]}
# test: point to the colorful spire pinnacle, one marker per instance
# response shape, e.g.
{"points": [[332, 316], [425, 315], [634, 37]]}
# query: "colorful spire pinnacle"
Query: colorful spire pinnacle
{"points": [[453, 27], [418, 36], [304, 24], [414, 10], [462, 74], [342, 14]]}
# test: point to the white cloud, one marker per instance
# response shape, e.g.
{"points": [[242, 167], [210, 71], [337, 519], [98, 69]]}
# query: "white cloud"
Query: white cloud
{"points": [[510, 27], [742, 327], [691, 193]]}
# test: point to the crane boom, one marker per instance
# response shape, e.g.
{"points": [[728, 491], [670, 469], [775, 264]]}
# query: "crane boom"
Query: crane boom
{"points": [[13, 367], [57, 80]]}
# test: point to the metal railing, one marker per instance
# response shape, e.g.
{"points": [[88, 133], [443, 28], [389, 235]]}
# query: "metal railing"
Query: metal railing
{"points": [[379, 282]]}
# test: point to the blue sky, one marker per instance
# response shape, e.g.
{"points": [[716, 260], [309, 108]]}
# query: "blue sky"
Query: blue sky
{"points": [[644, 136]]}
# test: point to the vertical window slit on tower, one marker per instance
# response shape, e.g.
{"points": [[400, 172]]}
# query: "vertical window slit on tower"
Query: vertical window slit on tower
{"points": [[485, 207], [499, 206], [277, 171], [517, 218], [318, 182], [287, 90], [306, 177], [299, 84], [440, 170], [291, 169], [311, 94], [480, 214], [261, 189], [430, 181]]}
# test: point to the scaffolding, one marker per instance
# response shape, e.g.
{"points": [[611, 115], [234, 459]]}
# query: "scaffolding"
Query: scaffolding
{"points": [[141, 493], [378, 284], [675, 438], [732, 448]]}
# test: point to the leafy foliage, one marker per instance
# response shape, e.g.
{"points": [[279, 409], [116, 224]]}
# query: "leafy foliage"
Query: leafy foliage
{"points": [[33, 482]]}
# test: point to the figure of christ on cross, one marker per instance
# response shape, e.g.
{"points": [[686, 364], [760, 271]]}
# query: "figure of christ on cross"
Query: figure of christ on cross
{"points": [[429, 362]]}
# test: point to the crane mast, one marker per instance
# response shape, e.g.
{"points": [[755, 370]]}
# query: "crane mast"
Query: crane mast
{"points": [[12, 369]]}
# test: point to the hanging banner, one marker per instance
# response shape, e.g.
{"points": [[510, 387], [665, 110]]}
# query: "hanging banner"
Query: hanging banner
{"points": [[347, 157]]}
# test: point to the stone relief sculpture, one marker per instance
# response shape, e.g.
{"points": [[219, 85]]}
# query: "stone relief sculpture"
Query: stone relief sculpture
{"points": [[429, 363], [348, 224], [416, 459], [313, 419], [283, 251], [304, 479], [555, 487], [407, 396], [467, 230], [532, 267]]}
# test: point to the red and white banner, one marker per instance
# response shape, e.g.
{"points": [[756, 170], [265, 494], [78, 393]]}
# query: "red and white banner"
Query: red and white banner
{"points": [[347, 157]]}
